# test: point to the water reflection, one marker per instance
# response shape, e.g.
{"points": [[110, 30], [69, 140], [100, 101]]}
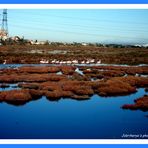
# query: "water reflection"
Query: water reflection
{"points": [[97, 118], [66, 118]]}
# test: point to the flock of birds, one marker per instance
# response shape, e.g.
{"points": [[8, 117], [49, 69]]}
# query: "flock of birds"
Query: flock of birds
{"points": [[88, 61]]}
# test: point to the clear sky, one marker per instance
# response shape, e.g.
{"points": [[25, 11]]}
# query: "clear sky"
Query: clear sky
{"points": [[104, 26]]}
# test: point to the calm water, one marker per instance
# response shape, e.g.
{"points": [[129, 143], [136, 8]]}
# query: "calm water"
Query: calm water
{"points": [[97, 118], [19, 65]]}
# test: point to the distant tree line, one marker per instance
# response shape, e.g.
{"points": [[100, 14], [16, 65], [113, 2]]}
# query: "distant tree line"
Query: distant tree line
{"points": [[21, 41]]}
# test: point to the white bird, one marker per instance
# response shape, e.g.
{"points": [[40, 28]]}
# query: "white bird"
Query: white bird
{"points": [[82, 62], [92, 61], [57, 62], [68, 62], [61, 62], [43, 61], [53, 61], [75, 61], [88, 69], [64, 62], [5, 61], [87, 62], [99, 62]]}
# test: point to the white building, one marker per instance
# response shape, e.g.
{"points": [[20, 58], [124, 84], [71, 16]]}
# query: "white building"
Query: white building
{"points": [[3, 35], [84, 44]]}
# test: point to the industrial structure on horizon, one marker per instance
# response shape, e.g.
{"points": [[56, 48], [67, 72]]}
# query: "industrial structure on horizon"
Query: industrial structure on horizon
{"points": [[4, 26]]}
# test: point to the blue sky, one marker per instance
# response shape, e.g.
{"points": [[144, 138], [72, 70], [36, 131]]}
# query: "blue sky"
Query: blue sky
{"points": [[90, 25]]}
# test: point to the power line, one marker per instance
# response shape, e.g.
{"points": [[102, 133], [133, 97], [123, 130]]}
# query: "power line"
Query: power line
{"points": [[86, 27], [77, 33], [81, 29], [87, 19]]}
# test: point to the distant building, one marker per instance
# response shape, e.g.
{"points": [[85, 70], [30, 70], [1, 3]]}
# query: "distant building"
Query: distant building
{"points": [[145, 45], [16, 38], [138, 45], [37, 42], [3, 35], [84, 44]]}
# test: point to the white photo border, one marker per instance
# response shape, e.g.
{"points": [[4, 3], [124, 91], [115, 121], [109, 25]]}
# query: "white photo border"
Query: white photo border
{"points": [[73, 6]]}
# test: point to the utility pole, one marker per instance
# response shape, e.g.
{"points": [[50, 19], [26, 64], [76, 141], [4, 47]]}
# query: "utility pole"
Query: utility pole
{"points": [[4, 23], [4, 27]]}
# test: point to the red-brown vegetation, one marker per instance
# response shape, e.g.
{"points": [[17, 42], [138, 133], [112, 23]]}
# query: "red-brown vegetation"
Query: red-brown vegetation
{"points": [[79, 77], [121, 85], [13, 78], [53, 95], [108, 55], [67, 89], [50, 86], [36, 94], [43, 81], [112, 73], [80, 97], [20, 97], [105, 73], [136, 69], [83, 90], [141, 104], [41, 69], [134, 81], [114, 88], [28, 85], [67, 70], [17, 97]]}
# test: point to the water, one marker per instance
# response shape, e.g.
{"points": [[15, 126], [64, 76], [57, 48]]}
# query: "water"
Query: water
{"points": [[10, 87], [97, 118], [3, 66], [79, 71]]}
